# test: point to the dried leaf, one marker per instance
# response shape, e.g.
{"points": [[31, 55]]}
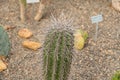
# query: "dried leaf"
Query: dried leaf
{"points": [[8, 27]]}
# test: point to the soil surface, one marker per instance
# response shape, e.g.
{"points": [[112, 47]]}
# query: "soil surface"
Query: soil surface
{"points": [[97, 61]]}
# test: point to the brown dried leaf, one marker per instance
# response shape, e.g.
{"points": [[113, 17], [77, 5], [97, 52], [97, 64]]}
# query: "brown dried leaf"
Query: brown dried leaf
{"points": [[8, 27]]}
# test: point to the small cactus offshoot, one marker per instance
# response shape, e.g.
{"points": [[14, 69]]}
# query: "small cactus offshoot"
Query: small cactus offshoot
{"points": [[80, 37], [57, 52]]}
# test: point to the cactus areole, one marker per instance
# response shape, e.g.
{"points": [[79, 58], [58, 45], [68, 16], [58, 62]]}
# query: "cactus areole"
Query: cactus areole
{"points": [[57, 52], [4, 43]]}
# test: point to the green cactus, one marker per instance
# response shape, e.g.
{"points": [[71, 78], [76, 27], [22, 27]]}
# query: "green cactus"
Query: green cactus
{"points": [[4, 43], [24, 2], [116, 76], [57, 52]]}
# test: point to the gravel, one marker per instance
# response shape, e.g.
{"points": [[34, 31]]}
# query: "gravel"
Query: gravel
{"points": [[97, 61]]}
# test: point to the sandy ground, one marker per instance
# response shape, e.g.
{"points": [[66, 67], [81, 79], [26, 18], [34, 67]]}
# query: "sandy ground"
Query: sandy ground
{"points": [[97, 61]]}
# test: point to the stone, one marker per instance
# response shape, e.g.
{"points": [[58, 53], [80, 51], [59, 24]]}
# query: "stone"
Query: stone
{"points": [[3, 66], [31, 44], [25, 33]]}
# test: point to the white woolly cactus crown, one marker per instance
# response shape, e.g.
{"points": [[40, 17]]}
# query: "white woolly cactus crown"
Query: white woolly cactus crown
{"points": [[62, 21]]}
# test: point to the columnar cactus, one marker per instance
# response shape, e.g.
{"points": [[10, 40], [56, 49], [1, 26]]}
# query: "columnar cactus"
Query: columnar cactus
{"points": [[116, 4], [23, 2], [22, 9], [57, 52], [4, 43]]}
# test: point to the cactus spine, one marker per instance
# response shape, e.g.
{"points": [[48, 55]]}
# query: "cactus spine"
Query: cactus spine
{"points": [[57, 52]]}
